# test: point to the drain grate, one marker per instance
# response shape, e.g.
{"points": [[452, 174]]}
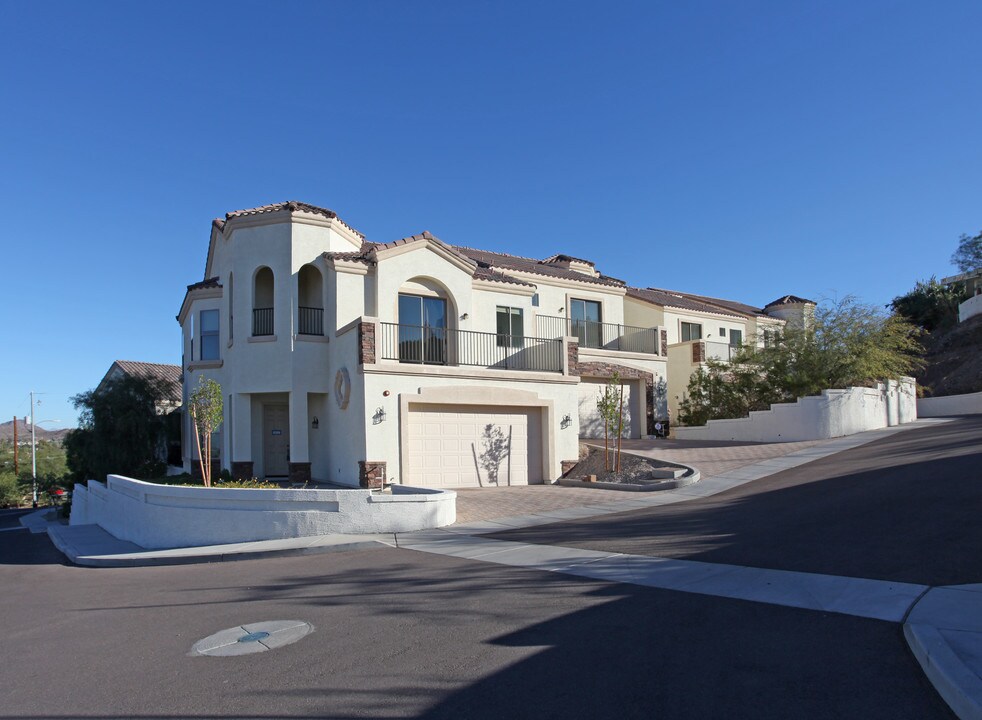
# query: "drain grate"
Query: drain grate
{"points": [[252, 638]]}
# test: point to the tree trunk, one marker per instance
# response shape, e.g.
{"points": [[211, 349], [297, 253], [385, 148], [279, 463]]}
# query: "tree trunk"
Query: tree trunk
{"points": [[197, 441], [620, 428]]}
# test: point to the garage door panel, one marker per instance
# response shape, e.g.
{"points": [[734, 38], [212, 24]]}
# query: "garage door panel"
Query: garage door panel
{"points": [[461, 458]]}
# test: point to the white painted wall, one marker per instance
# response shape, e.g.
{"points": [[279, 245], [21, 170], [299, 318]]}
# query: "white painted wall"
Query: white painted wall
{"points": [[968, 404], [166, 516], [970, 308], [834, 413]]}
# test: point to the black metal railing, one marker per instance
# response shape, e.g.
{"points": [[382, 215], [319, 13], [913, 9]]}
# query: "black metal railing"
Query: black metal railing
{"points": [[310, 320], [262, 321], [602, 336], [445, 346]]}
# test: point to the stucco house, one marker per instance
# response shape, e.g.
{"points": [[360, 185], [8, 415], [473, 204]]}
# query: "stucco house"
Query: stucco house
{"points": [[415, 361], [700, 328]]}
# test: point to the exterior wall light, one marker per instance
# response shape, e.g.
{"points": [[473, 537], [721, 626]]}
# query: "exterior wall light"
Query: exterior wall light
{"points": [[379, 416], [565, 422], [464, 316], [316, 423]]}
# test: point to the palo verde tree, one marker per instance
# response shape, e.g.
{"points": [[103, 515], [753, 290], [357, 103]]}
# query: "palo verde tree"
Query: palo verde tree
{"points": [[847, 344], [207, 412], [120, 429]]}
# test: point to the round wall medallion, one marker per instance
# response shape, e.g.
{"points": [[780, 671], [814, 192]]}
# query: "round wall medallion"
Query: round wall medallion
{"points": [[342, 388]]}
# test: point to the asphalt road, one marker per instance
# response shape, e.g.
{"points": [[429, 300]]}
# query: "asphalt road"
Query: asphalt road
{"points": [[407, 634], [904, 508]]}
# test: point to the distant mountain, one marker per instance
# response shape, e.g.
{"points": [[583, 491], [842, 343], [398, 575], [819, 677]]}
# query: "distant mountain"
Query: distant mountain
{"points": [[24, 432]]}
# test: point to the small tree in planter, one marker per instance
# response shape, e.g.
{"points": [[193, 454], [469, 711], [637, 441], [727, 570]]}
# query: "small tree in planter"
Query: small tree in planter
{"points": [[610, 406], [207, 412]]}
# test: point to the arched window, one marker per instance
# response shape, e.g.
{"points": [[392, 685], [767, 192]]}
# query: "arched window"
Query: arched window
{"points": [[262, 302], [310, 315]]}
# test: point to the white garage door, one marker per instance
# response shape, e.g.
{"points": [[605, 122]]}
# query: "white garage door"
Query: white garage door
{"points": [[470, 446], [591, 424]]}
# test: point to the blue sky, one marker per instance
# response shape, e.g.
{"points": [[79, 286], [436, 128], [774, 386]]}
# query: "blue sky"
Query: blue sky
{"points": [[740, 149]]}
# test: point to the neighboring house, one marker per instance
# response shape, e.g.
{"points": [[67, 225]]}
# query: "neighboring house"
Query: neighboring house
{"points": [[700, 328], [414, 361], [167, 377], [972, 282]]}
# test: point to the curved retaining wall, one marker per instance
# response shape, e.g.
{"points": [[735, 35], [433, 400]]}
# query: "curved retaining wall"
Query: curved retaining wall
{"points": [[169, 516], [834, 413]]}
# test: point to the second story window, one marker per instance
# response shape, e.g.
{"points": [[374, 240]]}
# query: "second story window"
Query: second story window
{"points": [[422, 330], [691, 331], [511, 328], [585, 318], [736, 338], [208, 331]]}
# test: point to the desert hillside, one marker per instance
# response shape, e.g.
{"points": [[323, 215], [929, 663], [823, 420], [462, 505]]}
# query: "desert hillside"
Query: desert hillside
{"points": [[954, 360]]}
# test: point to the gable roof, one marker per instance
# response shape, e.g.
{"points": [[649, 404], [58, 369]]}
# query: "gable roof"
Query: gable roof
{"points": [[168, 376], [667, 298], [502, 262]]}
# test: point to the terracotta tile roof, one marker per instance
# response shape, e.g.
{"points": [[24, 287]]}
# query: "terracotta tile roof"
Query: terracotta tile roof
{"points": [[790, 300], [504, 262], [209, 283], [676, 300], [168, 376], [567, 258], [291, 205], [731, 305], [484, 273]]}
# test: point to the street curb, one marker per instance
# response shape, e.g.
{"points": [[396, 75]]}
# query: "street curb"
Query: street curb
{"points": [[691, 478], [154, 560], [953, 679]]}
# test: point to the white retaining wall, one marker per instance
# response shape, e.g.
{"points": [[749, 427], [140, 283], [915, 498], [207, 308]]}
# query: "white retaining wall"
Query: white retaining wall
{"points": [[834, 413], [169, 516], [970, 308], [968, 404]]}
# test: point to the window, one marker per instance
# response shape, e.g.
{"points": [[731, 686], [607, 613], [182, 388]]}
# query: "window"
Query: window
{"points": [[422, 330], [736, 338], [511, 329], [691, 331], [722, 332], [535, 300], [208, 329], [585, 318]]}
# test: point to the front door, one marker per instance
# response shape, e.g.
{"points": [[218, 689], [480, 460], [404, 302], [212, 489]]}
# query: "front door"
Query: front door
{"points": [[276, 440]]}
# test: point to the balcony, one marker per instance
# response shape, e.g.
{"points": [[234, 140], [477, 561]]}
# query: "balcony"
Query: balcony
{"points": [[720, 351], [262, 321], [310, 320], [445, 346], [601, 336]]}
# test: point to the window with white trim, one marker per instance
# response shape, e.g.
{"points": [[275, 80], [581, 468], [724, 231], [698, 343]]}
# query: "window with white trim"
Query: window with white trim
{"points": [[511, 327], [691, 331], [208, 335]]}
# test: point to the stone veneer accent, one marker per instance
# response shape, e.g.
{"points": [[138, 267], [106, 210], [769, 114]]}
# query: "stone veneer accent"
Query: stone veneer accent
{"points": [[607, 370], [366, 341], [568, 465], [573, 357], [371, 473], [242, 470], [698, 352], [663, 343], [300, 472]]}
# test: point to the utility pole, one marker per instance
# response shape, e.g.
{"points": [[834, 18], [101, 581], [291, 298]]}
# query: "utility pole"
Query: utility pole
{"points": [[34, 454], [15, 446]]}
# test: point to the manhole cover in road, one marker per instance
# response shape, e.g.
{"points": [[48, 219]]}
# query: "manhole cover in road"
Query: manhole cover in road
{"points": [[253, 638]]}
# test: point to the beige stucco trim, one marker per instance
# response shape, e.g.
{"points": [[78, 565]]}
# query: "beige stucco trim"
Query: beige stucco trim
{"points": [[191, 296], [311, 338], [351, 267], [353, 324], [394, 367], [503, 287], [426, 243], [205, 365], [483, 396], [615, 355], [261, 338]]}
